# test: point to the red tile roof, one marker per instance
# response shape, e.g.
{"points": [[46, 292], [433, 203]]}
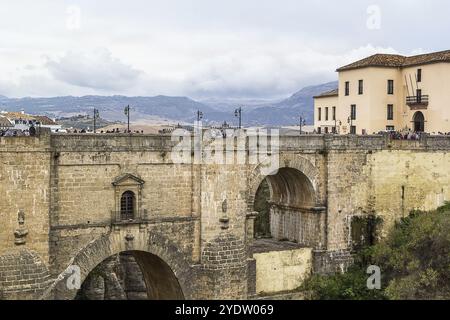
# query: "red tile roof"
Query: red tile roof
{"points": [[5, 123], [44, 120], [398, 61], [332, 93]]}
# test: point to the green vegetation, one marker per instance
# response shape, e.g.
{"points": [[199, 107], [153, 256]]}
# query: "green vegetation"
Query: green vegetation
{"points": [[262, 206], [414, 260]]}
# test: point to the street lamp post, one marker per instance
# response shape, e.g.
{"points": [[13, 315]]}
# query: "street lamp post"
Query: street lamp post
{"points": [[350, 121], [238, 114], [199, 115], [127, 113], [96, 116], [302, 123]]}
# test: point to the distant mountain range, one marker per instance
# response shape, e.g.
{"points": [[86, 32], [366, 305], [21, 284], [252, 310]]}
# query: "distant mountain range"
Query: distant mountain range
{"points": [[182, 109]]}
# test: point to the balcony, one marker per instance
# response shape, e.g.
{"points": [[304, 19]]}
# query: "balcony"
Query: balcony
{"points": [[118, 218], [417, 102]]}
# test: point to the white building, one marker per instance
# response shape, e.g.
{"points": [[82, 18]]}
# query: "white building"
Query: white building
{"points": [[23, 121], [387, 92]]}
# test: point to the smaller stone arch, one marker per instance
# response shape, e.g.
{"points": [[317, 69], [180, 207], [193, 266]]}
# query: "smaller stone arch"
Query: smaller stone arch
{"points": [[294, 212], [302, 165]]}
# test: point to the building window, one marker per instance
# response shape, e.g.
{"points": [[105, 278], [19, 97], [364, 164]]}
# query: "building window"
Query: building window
{"points": [[390, 128], [320, 114], [326, 114], [353, 112], [419, 75], [390, 86], [334, 113], [326, 129], [319, 130], [127, 205], [361, 87], [347, 88], [352, 129], [419, 95], [390, 112], [333, 130]]}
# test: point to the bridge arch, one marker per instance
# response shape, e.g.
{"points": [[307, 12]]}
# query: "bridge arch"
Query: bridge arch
{"points": [[290, 167], [294, 212], [166, 272]]}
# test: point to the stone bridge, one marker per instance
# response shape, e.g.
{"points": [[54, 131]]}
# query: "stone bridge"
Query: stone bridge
{"points": [[68, 202]]}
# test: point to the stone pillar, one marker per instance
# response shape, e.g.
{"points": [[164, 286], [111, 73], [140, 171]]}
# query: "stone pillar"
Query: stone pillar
{"points": [[306, 226], [225, 265], [250, 227]]}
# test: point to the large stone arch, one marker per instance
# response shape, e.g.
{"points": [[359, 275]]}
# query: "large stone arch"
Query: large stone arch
{"points": [[299, 163], [149, 248]]}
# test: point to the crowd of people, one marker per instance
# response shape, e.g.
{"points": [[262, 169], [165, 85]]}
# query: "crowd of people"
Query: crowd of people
{"points": [[394, 135], [408, 135], [18, 133], [116, 130]]}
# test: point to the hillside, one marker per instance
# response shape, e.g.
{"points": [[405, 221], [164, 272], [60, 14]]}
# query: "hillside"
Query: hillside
{"points": [[182, 109]]}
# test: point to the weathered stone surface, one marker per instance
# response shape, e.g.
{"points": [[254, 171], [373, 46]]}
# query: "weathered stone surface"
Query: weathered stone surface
{"points": [[64, 186], [281, 267], [23, 275]]}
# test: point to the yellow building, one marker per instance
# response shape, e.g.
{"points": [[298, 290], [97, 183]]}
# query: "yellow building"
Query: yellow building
{"points": [[387, 92]]}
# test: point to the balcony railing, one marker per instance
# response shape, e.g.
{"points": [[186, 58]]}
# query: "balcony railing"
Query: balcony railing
{"points": [[417, 102], [118, 218]]}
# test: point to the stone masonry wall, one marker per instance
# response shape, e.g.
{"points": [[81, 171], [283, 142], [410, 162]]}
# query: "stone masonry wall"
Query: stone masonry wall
{"points": [[62, 185], [24, 186], [387, 183]]}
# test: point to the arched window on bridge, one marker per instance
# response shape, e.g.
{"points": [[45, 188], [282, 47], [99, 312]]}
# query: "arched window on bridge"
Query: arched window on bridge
{"points": [[127, 206], [128, 199]]}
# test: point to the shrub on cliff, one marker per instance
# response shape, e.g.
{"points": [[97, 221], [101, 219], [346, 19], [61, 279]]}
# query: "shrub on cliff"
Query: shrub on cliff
{"points": [[414, 259]]}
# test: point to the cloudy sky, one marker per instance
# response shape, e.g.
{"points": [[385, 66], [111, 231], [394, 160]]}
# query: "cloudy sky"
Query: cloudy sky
{"points": [[202, 48]]}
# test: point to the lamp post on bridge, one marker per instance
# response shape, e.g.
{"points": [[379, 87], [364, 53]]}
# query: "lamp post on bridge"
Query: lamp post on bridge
{"points": [[96, 116], [127, 113], [238, 114], [199, 115], [302, 123]]}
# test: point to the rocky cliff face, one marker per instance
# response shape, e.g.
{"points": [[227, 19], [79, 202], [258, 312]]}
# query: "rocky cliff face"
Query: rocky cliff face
{"points": [[117, 278]]}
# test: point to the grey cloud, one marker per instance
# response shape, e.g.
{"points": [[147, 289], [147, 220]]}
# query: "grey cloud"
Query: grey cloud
{"points": [[253, 75], [205, 48], [97, 69]]}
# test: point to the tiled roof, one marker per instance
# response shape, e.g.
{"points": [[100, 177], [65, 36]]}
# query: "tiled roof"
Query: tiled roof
{"points": [[442, 56], [44, 120], [332, 93], [18, 116], [398, 61], [5, 123]]}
